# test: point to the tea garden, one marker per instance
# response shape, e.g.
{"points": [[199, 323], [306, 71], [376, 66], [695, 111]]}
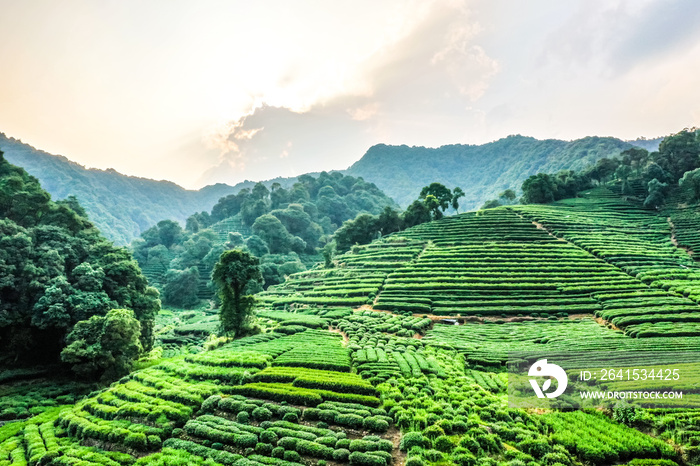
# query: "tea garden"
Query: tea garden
{"points": [[356, 365]]}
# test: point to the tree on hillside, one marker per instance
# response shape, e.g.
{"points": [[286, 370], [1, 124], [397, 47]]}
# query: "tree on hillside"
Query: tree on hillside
{"points": [[415, 214], [362, 230], [441, 193], [691, 184], [181, 287], [493, 203], [604, 169], [623, 174], [657, 194], [104, 347], [507, 196], [389, 221], [456, 194], [538, 189], [57, 270], [679, 153], [636, 158], [235, 273]]}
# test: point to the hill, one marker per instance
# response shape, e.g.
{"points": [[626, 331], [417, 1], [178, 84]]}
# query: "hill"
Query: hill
{"points": [[482, 171], [332, 379], [121, 206], [285, 228]]}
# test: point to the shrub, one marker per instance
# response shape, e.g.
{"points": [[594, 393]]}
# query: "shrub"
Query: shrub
{"points": [[535, 447], [341, 455], [443, 444], [375, 424], [243, 417], [136, 441], [343, 443], [350, 420], [327, 441], [246, 440], [413, 439], [268, 437], [470, 444], [264, 449], [363, 445], [288, 443], [365, 459], [291, 417], [415, 461], [464, 459], [277, 452], [433, 455], [311, 414], [433, 432], [262, 414], [210, 404]]}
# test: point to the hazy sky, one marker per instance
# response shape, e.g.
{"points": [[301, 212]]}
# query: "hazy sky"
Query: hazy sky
{"points": [[221, 91]]}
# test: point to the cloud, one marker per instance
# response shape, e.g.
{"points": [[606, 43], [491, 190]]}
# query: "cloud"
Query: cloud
{"points": [[617, 36], [417, 87]]}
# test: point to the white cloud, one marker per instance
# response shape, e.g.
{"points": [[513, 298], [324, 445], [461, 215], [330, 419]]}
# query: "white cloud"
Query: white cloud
{"points": [[412, 89]]}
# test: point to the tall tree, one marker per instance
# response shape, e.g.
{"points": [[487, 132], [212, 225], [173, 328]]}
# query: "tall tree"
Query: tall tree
{"points": [[233, 275], [691, 184], [440, 192], [539, 189], [456, 194], [679, 153]]}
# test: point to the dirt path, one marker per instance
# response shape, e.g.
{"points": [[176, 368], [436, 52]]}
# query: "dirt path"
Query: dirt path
{"points": [[674, 239], [346, 340]]}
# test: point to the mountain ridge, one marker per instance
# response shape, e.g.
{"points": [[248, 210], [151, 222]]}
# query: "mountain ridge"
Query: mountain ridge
{"points": [[482, 171], [122, 206]]}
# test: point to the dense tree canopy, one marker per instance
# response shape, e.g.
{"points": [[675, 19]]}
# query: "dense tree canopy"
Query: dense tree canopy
{"points": [[676, 161], [104, 347], [57, 270], [285, 227], [434, 200], [234, 275]]}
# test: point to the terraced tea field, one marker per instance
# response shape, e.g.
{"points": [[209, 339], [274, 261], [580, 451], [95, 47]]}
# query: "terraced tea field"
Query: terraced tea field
{"points": [[639, 243], [355, 368]]}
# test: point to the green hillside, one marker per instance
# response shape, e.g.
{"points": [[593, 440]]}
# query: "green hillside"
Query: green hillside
{"points": [[355, 365], [482, 171], [121, 206]]}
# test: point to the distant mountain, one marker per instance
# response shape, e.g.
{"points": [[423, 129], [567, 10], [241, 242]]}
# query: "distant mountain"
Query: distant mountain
{"points": [[123, 206], [651, 145], [120, 206], [481, 171]]}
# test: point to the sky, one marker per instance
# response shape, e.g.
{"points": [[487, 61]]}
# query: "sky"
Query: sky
{"points": [[207, 91]]}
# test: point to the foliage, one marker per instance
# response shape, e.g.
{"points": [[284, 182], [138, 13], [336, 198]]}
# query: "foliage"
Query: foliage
{"points": [[234, 274], [57, 270], [285, 227], [181, 287], [690, 182], [482, 171], [104, 347], [657, 194]]}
